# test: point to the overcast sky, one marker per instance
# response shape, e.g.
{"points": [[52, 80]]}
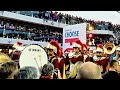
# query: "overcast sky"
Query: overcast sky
{"points": [[111, 16]]}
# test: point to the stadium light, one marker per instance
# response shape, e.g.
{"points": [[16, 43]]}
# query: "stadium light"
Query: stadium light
{"points": [[90, 35], [89, 43], [90, 27]]}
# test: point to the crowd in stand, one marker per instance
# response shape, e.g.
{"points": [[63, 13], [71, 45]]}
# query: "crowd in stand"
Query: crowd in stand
{"points": [[36, 33], [69, 19], [103, 40], [27, 32]]}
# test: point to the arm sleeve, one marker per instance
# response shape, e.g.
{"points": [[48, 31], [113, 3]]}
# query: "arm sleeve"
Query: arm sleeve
{"points": [[56, 63], [74, 60]]}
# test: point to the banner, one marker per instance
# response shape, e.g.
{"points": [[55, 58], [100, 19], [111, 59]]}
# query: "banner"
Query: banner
{"points": [[73, 32]]}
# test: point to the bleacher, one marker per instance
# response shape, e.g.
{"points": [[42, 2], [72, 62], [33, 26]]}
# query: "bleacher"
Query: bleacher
{"points": [[100, 25]]}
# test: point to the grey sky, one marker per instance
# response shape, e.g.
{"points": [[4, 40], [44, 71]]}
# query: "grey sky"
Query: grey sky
{"points": [[111, 16]]}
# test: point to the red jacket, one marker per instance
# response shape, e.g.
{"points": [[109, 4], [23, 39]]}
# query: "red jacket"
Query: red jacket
{"points": [[75, 59], [104, 62], [55, 62], [62, 61]]}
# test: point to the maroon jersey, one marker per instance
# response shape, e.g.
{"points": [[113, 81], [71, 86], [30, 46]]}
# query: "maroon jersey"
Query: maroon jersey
{"points": [[62, 62], [103, 62], [74, 59], [54, 61]]}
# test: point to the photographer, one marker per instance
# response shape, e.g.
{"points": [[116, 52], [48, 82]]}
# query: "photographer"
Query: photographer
{"points": [[48, 72]]}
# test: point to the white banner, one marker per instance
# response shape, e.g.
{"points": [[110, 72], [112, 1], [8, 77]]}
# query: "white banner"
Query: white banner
{"points": [[72, 33]]}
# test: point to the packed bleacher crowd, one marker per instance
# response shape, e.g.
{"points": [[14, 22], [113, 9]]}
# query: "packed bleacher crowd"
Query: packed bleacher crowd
{"points": [[69, 19], [35, 33], [44, 33], [10, 29]]}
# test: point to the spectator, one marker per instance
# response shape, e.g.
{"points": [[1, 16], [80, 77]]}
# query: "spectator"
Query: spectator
{"points": [[40, 14], [113, 71], [36, 14], [55, 16], [72, 20], [27, 72], [111, 39], [7, 26], [117, 54], [4, 58], [55, 37], [46, 38], [2, 25], [89, 70], [66, 18], [60, 17], [8, 70], [11, 27], [63, 20], [118, 70], [69, 19], [112, 56], [46, 15], [47, 71]]}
